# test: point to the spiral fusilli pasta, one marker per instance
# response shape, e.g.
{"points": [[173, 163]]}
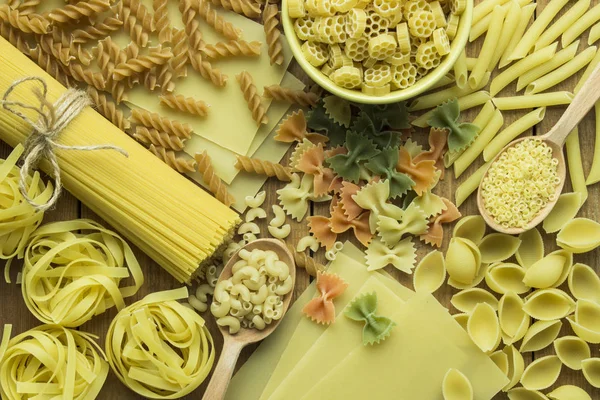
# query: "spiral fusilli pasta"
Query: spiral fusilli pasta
{"points": [[109, 109], [259, 113], [231, 48], [271, 21], [161, 20], [97, 30], [306, 262], [179, 61], [50, 65], [153, 120], [299, 97], [24, 23], [74, 12], [81, 74], [156, 57], [161, 139], [264, 167], [179, 164], [186, 104], [207, 70], [215, 184], [242, 7], [192, 25], [137, 20], [213, 19]]}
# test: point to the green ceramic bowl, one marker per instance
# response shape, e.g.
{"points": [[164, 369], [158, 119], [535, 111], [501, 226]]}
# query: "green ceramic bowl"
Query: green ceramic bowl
{"points": [[457, 46]]}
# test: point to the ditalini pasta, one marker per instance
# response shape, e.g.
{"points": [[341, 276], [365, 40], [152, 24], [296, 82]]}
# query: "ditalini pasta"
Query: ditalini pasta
{"points": [[565, 209], [176, 229], [51, 361], [571, 350], [579, 235], [535, 30], [456, 386], [541, 373], [584, 283], [563, 24], [540, 335]]}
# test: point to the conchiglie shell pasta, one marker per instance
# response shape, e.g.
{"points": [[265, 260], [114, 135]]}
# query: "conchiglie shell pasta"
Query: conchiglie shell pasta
{"points": [[506, 277], [521, 393], [498, 247], [471, 227], [430, 273], [468, 299], [478, 279], [483, 327], [584, 333], [584, 283], [572, 350], [548, 271], [541, 373], [579, 235], [462, 319], [569, 392], [514, 322], [566, 208], [462, 260], [566, 267], [531, 248], [591, 371], [456, 386], [501, 360], [549, 304], [540, 335], [516, 366]]}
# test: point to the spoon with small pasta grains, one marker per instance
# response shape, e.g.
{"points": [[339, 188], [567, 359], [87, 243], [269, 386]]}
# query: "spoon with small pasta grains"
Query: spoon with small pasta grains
{"points": [[251, 297], [524, 181]]}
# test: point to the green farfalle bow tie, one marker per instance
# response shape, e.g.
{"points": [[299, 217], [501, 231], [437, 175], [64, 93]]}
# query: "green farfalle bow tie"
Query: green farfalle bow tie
{"points": [[362, 309]]}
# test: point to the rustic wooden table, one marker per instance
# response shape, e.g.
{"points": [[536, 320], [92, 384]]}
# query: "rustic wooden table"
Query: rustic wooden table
{"points": [[13, 310]]}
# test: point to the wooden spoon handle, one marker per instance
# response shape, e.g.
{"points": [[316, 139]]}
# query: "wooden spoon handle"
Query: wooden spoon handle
{"points": [[223, 371], [583, 101]]}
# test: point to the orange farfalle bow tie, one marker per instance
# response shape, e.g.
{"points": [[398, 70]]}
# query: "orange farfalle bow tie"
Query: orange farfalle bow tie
{"points": [[321, 309], [435, 233], [311, 163]]}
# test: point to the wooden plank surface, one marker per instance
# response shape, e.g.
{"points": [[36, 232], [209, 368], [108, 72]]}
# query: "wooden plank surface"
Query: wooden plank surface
{"points": [[13, 310]]}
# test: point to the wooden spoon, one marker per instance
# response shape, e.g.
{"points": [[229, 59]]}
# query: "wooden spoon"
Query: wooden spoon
{"points": [[233, 344], [555, 139]]}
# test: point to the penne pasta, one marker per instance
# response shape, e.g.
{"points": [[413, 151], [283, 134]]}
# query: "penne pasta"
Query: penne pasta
{"points": [[485, 8], [512, 131], [471, 61], [483, 138], [594, 175], [511, 21], [533, 100], [594, 34], [580, 25], [575, 165], [434, 99], [562, 73], [559, 59], [470, 185], [444, 81], [524, 18], [460, 70], [562, 24], [587, 72], [482, 26], [489, 45], [521, 67], [534, 32]]}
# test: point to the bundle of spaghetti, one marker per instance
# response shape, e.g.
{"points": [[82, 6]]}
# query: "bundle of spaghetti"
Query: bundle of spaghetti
{"points": [[270, 20], [97, 30], [25, 23], [186, 104], [232, 48], [300, 97], [159, 348], [154, 120], [137, 20], [263, 167], [18, 219], [169, 157], [206, 69], [81, 74], [161, 139], [109, 109], [51, 66], [74, 12], [161, 20], [214, 183], [302, 260], [135, 66], [172, 220], [50, 361], [14, 36], [213, 19], [259, 113], [179, 61], [74, 270], [242, 7], [192, 25]]}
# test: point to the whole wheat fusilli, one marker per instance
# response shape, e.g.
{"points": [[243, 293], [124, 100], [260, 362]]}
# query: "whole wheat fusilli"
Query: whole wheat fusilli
{"points": [[304, 261], [157, 56], [51, 66], [210, 178], [25, 23], [271, 21], [161, 20], [96, 31], [81, 74], [231, 48], [179, 61], [74, 12], [27, 7], [153, 120], [207, 70], [186, 104], [264, 167], [161, 139], [164, 78], [179, 164], [109, 109], [259, 113], [213, 19], [138, 21], [300, 97], [14, 37], [242, 7], [192, 25]]}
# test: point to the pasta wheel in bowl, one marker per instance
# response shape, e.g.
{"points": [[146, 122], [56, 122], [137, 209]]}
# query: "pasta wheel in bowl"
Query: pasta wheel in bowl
{"points": [[415, 42]]}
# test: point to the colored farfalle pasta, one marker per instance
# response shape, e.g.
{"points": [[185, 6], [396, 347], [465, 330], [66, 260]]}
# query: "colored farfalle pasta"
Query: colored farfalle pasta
{"points": [[321, 309], [363, 309], [352, 42], [253, 296]]}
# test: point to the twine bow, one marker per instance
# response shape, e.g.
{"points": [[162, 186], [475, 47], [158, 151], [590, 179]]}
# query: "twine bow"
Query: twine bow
{"points": [[53, 119]]}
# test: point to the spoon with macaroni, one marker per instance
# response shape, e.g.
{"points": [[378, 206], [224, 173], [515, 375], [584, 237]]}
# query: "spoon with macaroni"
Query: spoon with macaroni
{"points": [[260, 277], [523, 182]]}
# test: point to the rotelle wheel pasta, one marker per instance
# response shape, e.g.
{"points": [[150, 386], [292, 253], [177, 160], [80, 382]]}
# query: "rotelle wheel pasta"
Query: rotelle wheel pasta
{"points": [[159, 348]]}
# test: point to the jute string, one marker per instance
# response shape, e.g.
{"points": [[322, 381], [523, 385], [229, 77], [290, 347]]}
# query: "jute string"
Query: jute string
{"points": [[52, 120]]}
